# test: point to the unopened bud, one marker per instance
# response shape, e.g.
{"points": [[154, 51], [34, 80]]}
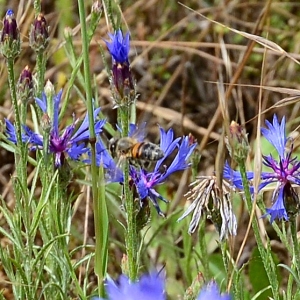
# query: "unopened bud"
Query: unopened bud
{"points": [[124, 265], [237, 143], [193, 290], [49, 89], [122, 79], [46, 123], [10, 36], [25, 85], [50, 94], [39, 34]]}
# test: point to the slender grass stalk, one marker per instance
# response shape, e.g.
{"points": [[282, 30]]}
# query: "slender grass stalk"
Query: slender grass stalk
{"points": [[100, 216]]}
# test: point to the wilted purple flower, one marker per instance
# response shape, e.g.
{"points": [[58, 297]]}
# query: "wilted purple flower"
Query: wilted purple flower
{"points": [[210, 200], [119, 49], [149, 287], [211, 291], [285, 172], [146, 181], [70, 141]]}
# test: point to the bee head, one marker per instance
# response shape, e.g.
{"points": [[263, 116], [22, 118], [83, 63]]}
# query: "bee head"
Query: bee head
{"points": [[113, 146]]}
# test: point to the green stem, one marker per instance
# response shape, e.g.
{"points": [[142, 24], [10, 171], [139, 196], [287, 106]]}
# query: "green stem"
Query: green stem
{"points": [[12, 87], [266, 256], [132, 237], [37, 6], [21, 152], [296, 252], [203, 248], [100, 217]]}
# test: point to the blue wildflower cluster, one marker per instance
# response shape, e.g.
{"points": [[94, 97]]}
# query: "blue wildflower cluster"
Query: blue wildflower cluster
{"points": [[151, 287], [285, 171]]}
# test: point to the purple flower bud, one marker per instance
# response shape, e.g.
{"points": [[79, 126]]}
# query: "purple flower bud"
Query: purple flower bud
{"points": [[10, 28], [122, 79], [25, 85], [237, 142], [10, 37], [39, 35]]}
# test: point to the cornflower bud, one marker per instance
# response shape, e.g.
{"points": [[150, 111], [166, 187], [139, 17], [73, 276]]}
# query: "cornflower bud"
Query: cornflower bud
{"points": [[46, 123], [25, 85], [39, 34], [195, 157], [49, 94], [122, 79], [193, 289], [237, 143], [10, 36], [124, 264]]}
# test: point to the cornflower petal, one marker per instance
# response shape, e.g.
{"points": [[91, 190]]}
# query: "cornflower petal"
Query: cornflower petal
{"points": [[211, 291], [77, 150], [42, 103], [32, 137], [149, 287], [119, 46], [56, 101], [275, 134], [113, 172], [83, 133], [180, 161], [235, 177], [277, 211], [10, 131]]}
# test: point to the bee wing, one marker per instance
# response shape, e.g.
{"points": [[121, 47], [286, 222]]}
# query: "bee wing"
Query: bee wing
{"points": [[138, 132]]}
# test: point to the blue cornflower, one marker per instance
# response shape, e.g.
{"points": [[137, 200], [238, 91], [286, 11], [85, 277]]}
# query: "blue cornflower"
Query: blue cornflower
{"points": [[149, 287], [119, 46], [70, 141], [146, 181], [285, 171], [211, 291]]}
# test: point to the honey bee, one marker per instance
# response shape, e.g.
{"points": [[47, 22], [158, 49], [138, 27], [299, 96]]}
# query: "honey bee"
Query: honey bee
{"points": [[135, 151]]}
